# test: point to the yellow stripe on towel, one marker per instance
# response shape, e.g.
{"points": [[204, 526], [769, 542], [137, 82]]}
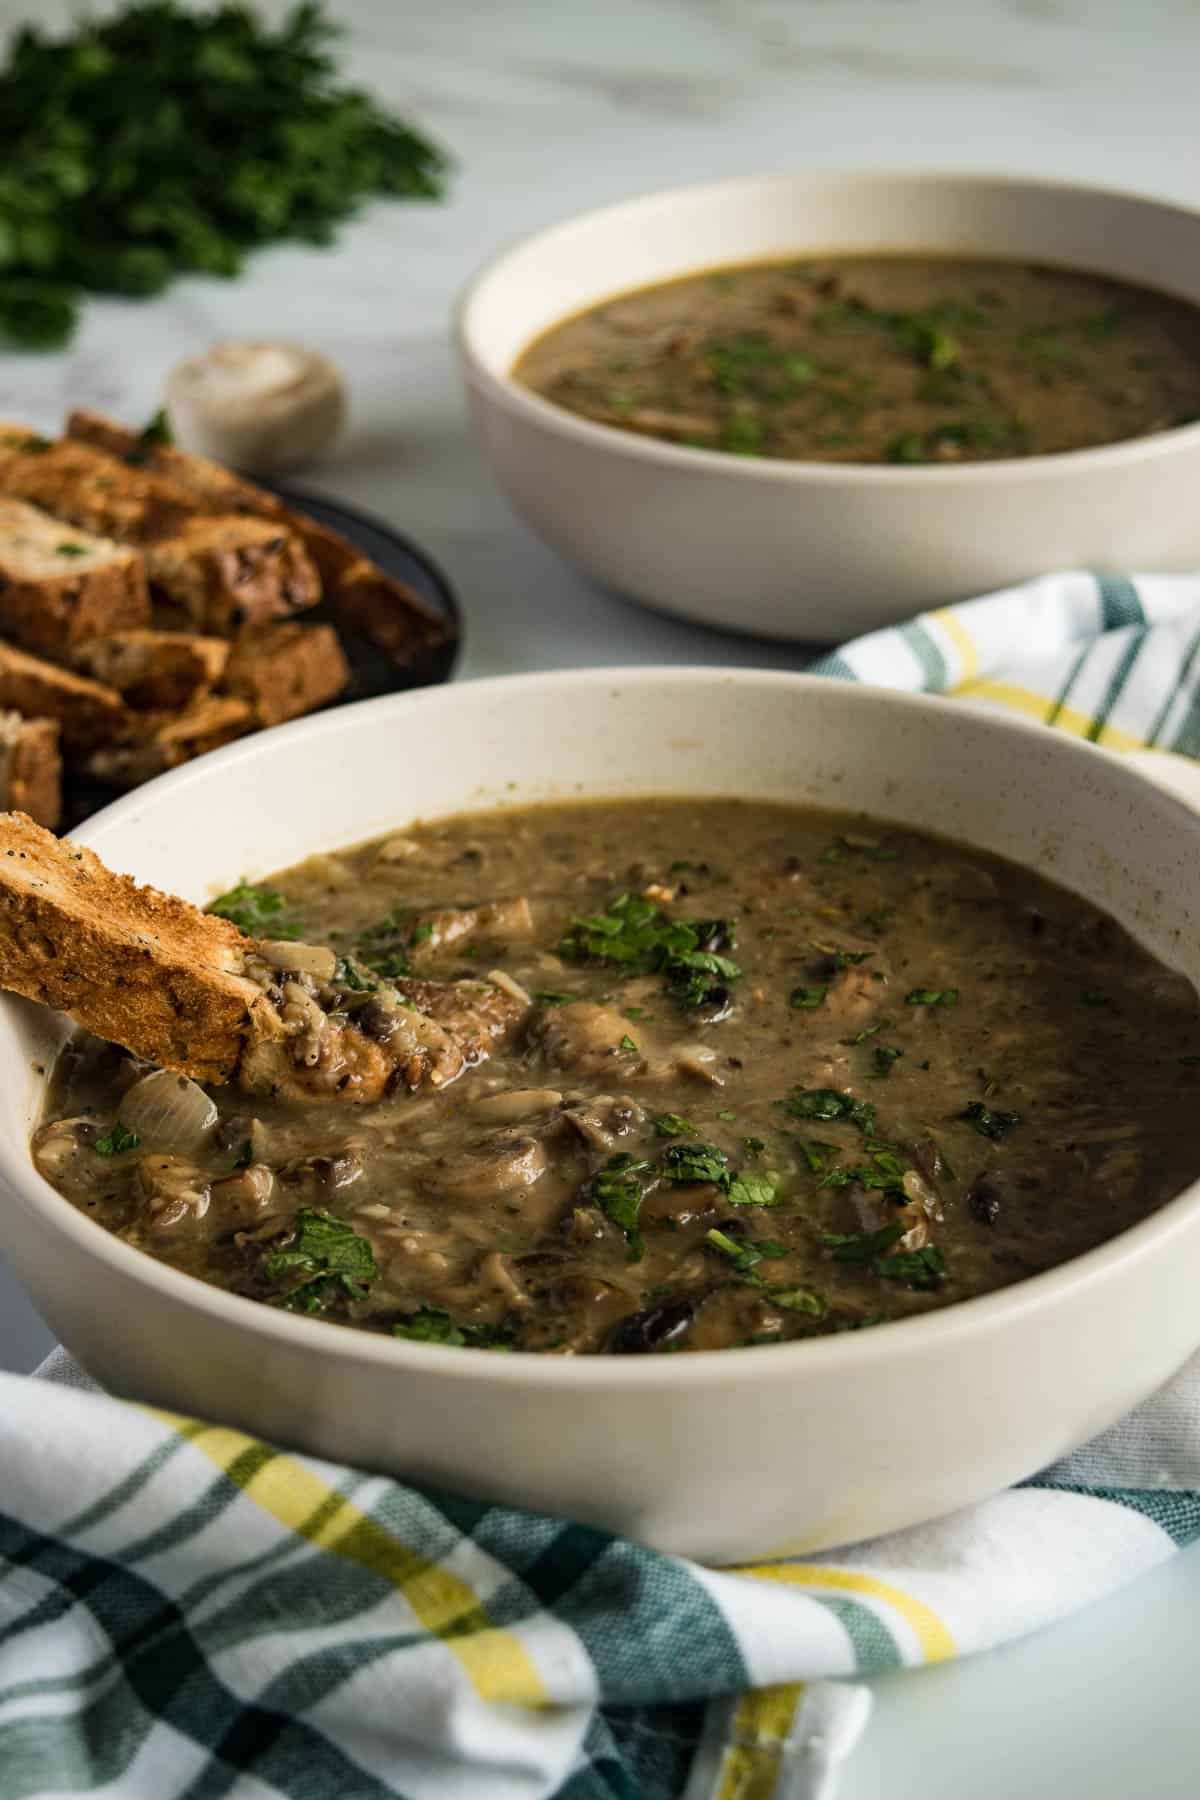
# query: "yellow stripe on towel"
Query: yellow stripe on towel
{"points": [[1039, 707], [962, 640], [497, 1664], [934, 1637], [761, 1726]]}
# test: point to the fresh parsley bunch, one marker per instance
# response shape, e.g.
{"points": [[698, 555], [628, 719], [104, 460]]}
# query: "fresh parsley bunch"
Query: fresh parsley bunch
{"points": [[158, 141]]}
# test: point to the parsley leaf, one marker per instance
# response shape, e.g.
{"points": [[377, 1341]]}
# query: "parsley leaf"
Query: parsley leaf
{"points": [[627, 1044], [932, 997], [828, 1103], [744, 1256], [987, 1123], [816, 1154], [695, 1162], [749, 1189], [70, 549], [433, 1325], [348, 975], [801, 997], [882, 1058], [670, 1125], [924, 1268], [618, 1189], [638, 935], [334, 1264], [258, 911], [801, 1300], [551, 997], [116, 1141]]}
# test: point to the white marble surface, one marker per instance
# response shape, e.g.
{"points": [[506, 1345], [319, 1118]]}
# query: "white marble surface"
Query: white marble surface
{"points": [[554, 107]]}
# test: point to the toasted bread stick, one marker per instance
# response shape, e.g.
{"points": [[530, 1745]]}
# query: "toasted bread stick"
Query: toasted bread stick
{"points": [[31, 767], [384, 609], [155, 671], [224, 571], [87, 711]]}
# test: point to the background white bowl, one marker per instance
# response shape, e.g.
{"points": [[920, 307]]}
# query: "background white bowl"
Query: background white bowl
{"points": [[811, 550], [726, 1454]]}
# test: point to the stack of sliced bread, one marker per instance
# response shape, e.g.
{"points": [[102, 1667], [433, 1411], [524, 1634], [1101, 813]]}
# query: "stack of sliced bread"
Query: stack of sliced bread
{"points": [[152, 608]]}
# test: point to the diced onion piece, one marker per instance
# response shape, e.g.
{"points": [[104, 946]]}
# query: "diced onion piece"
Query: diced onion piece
{"points": [[500, 979], [169, 1113], [316, 960]]}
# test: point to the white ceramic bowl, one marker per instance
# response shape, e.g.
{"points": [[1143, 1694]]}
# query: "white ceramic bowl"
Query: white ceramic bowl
{"points": [[724, 1454], [812, 550]]}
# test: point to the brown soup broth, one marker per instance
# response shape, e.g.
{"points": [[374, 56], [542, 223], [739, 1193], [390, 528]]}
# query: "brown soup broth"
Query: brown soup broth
{"points": [[801, 1073], [878, 359]]}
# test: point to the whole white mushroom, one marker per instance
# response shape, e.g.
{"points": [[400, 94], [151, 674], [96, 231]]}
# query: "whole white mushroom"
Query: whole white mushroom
{"points": [[256, 405]]}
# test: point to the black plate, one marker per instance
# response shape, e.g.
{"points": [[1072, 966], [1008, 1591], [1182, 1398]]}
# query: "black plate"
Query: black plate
{"points": [[373, 671]]}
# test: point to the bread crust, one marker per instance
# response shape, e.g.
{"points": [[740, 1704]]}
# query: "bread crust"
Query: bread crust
{"points": [[155, 671], [51, 602], [156, 742], [283, 670], [87, 711], [32, 769], [138, 967]]}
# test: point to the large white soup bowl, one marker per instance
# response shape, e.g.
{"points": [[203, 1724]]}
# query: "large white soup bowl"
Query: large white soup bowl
{"points": [[725, 1454]]}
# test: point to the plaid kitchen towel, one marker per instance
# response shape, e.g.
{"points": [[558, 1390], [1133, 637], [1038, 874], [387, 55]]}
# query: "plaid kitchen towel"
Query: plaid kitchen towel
{"points": [[186, 1613], [1114, 659]]}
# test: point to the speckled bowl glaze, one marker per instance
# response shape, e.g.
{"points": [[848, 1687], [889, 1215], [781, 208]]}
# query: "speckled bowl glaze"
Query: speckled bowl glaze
{"points": [[823, 551], [727, 1454]]}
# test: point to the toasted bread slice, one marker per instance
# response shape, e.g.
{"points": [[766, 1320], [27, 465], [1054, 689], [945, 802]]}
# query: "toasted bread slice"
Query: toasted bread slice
{"points": [[60, 586], [186, 990], [156, 671], [384, 609], [286, 669], [31, 767], [223, 571], [141, 968], [87, 711], [156, 742]]}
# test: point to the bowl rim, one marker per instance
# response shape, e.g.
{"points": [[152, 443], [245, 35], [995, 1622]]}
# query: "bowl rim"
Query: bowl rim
{"points": [[531, 407], [892, 1340]]}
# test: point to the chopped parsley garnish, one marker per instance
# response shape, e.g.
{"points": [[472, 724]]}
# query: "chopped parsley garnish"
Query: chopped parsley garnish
{"points": [[816, 1154], [551, 997], [384, 947], [669, 1125], [838, 959], [922, 1268], [860, 1037], [421, 933], [638, 935], [931, 997], [258, 911], [987, 1123], [627, 1044], [347, 974], [70, 550], [618, 1189], [116, 1141], [726, 1114], [861, 1246], [828, 1103], [334, 1264], [433, 1325], [801, 1300], [695, 1162], [885, 1171], [156, 431], [804, 997], [753, 1146], [743, 1256], [882, 1058], [749, 1189]]}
